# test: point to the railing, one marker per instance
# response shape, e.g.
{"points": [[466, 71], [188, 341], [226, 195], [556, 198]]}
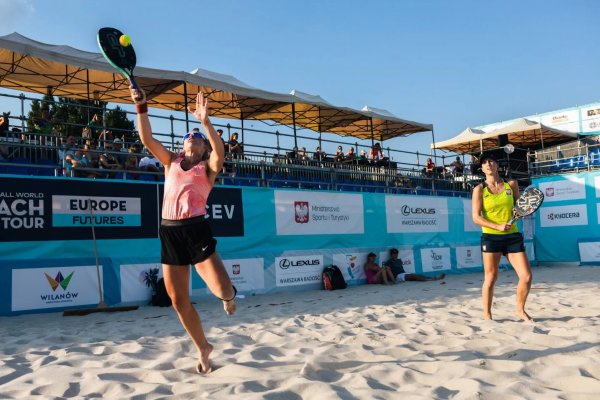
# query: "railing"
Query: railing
{"points": [[577, 156]]}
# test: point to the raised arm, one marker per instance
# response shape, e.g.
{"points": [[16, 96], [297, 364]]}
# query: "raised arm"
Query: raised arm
{"points": [[217, 156], [145, 130]]}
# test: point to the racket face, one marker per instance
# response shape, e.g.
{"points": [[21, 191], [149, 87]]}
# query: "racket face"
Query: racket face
{"points": [[530, 200], [120, 57]]}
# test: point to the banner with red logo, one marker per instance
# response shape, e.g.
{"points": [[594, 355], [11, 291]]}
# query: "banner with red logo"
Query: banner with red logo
{"points": [[315, 213]]}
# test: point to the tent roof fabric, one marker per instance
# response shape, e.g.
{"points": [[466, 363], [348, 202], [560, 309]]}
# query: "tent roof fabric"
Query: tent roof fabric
{"points": [[522, 133], [32, 66]]}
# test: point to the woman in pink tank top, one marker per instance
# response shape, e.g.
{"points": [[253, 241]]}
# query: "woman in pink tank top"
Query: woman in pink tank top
{"points": [[185, 235]]}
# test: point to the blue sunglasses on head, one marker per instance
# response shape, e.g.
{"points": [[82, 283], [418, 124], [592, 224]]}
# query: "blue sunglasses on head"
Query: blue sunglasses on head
{"points": [[197, 135]]}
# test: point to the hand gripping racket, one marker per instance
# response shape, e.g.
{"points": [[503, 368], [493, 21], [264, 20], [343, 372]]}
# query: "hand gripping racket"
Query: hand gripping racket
{"points": [[122, 58], [530, 200]]}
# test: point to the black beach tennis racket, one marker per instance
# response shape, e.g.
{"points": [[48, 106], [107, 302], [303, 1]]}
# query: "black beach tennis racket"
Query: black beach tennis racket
{"points": [[122, 58], [530, 200]]}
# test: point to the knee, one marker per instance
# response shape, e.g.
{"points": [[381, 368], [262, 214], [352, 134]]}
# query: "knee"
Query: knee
{"points": [[526, 278], [489, 280], [180, 303]]}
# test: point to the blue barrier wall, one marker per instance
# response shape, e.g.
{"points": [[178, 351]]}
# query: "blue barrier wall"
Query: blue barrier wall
{"points": [[270, 240]]}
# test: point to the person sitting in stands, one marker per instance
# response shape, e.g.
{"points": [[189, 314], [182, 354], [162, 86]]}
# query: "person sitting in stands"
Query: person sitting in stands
{"points": [[339, 154], [350, 155], [95, 126], [376, 274], [318, 155], [458, 167], [67, 144], [75, 158], [397, 268], [429, 167], [108, 160], [376, 152], [475, 166], [235, 147], [362, 156], [302, 155], [151, 164], [93, 157], [131, 164]]}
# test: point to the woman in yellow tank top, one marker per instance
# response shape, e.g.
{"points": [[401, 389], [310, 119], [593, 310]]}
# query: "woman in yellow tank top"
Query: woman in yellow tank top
{"points": [[492, 202]]}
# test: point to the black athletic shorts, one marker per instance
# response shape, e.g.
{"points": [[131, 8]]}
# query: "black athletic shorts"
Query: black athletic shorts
{"points": [[186, 241], [510, 243]]}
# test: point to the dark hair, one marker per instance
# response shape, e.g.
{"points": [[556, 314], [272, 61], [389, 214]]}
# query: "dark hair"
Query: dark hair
{"points": [[394, 251], [371, 254]]}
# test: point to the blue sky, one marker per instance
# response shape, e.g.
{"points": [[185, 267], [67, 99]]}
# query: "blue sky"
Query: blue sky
{"points": [[454, 64]]}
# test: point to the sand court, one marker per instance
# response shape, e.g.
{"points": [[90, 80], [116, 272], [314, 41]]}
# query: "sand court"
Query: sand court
{"points": [[417, 340]]}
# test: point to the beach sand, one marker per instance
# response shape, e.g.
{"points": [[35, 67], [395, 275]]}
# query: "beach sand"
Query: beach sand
{"points": [[415, 340]]}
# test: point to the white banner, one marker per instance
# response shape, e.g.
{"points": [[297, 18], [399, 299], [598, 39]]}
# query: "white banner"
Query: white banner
{"points": [[598, 212], [298, 270], [407, 214], [135, 278], [468, 216], [563, 120], [314, 213], [589, 252], [597, 186], [575, 214], [590, 119], [351, 264], [436, 259], [469, 257], [53, 287], [247, 274], [570, 188]]}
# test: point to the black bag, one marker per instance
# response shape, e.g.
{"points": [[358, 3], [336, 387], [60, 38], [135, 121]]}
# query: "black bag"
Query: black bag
{"points": [[333, 278], [161, 298]]}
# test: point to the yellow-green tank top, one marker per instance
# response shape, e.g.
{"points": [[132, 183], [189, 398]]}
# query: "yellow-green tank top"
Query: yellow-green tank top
{"points": [[497, 208]]}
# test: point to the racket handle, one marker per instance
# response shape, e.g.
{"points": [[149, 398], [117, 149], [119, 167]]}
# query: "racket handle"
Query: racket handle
{"points": [[512, 221], [133, 83]]}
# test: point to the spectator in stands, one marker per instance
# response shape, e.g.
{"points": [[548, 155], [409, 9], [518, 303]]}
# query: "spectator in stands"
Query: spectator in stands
{"points": [[225, 145], [4, 124], [429, 167], [235, 148], [293, 155], [151, 164], [95, 126], [339, 154], [67, 144], [92, 155], [475, 166], [118, 147], [75, 158], [318, 155], [350, 155], [376, 152], [131, 165], [457, 167], [105, 135], [86, 133], [397, 268], [376, 274], [363, 155], [108, 161], [302, 155]]}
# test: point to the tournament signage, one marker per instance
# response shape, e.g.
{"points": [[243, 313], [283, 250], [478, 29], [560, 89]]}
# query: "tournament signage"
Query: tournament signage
{"points": [[314, 213], [575, 214], [468, 257], [570, 188], [53, 209], [406, 214], [298, 270], [436, 259]]}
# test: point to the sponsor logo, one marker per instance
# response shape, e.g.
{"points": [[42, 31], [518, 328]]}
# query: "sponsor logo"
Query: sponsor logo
{"points": [[566, 215], [301, 213], [21, 210], [468, 252], [407, 210], [235, 268], [594, 125], [560, 118], [549, 191], [286, 263], [435, 256], [59, 281]]}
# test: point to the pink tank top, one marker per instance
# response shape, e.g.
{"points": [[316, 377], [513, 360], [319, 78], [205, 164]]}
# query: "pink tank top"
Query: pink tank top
{"points": [[186, 192]]}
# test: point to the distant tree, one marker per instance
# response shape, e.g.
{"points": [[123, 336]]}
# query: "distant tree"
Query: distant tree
{"points": [[117, 121]]}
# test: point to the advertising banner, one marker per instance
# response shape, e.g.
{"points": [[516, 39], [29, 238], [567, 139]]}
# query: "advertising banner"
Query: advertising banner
{"points": [[569, 188], [436, 259], [54, 287], [298, 270], [351, 264], [135, 281], [408, 214], [315, 213], [468, 216], [589, 252], [247, 274], [53, 209], [575, 214], [469, 257]]}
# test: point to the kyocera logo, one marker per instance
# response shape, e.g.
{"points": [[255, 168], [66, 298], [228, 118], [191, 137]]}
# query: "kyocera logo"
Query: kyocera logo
{"points": [[407, 210], [285, 263], [553, 216]]}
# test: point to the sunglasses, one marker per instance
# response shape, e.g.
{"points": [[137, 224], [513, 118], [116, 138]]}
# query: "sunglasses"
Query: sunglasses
{"points": [[196, 135]]}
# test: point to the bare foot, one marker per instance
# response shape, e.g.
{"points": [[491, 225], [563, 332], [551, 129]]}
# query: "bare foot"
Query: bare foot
{"points": [[203, 366], [524, 316], [229, 306], [487, 317]]}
